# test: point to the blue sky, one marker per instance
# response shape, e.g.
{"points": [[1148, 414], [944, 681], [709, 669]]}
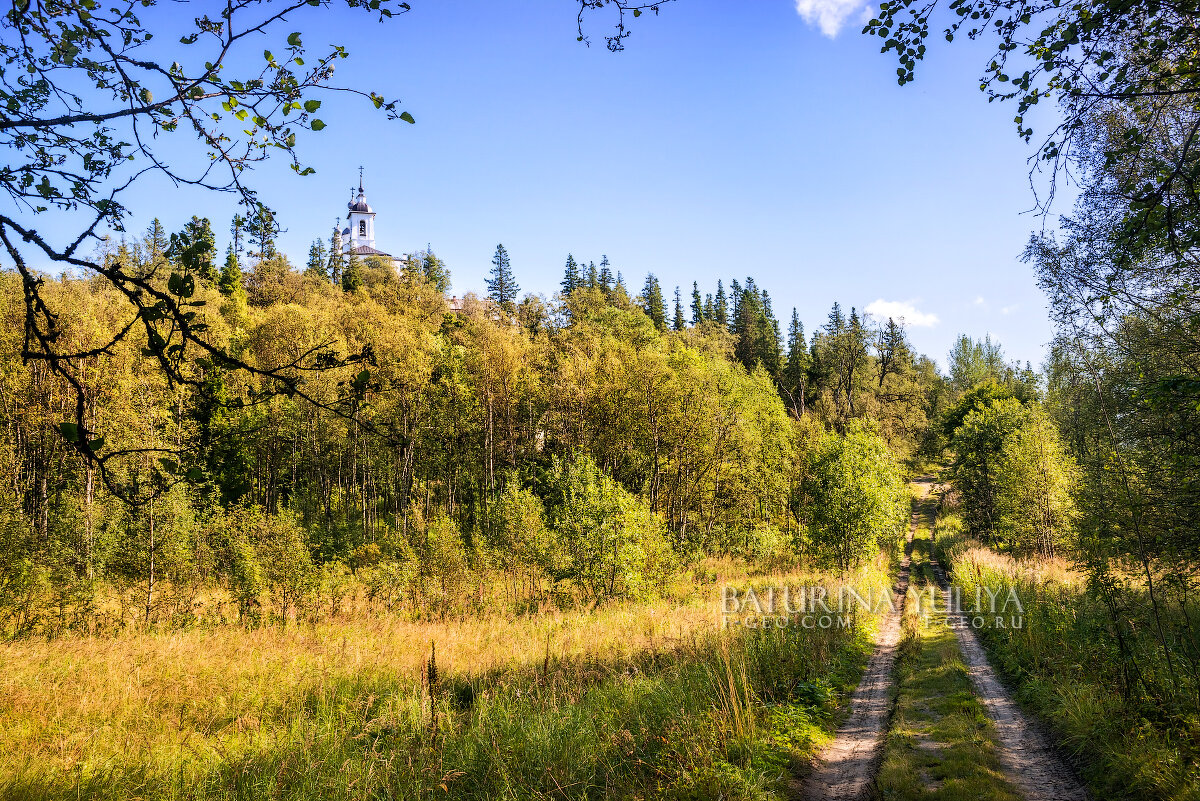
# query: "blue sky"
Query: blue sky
{"points": [[728, 139]]}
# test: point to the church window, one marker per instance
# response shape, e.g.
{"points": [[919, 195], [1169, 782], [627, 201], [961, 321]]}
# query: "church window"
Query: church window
{"points": [[362, 227]]}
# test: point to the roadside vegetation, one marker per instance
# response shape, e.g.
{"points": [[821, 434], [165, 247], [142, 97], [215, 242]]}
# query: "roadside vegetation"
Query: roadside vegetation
{"points": [[1067, 667], [1085, 499], [1056, 500]]}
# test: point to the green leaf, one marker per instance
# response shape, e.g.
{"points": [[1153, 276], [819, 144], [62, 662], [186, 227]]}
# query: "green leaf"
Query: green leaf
{"points": [[407, 117], [311, 105], [317, 125], [294, 39], [69, 431]]}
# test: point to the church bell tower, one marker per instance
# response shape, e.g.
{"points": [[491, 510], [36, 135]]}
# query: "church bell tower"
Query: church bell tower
{"points": [[360, 228]]}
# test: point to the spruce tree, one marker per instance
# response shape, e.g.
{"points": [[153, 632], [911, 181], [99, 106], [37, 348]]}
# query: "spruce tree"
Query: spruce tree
{"points": [[435, 271], [122, 257], [352, 278], [502, 286], [744, 325], [795, 373], [154, 248], [697, 305], [756, 331], [606, 276], [721, 306], [230, 282], [197, 236], [837, 321], [572, 279], [735, 302], [261, 230], [895, 356], [679, 323], [337, 259], [317, 258], [593, 279], [620, 290], [237, 227], [767, 339], [156, 240], [653, 302]]}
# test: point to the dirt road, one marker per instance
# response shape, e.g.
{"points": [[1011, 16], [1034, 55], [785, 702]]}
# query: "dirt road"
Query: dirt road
{"points": [[845, 771]]}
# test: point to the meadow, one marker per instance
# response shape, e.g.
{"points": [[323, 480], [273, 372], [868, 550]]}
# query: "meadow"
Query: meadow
{"points": [[646, 699]]}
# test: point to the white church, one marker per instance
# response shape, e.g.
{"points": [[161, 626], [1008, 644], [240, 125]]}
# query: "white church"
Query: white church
{"points": [[358, 237]]}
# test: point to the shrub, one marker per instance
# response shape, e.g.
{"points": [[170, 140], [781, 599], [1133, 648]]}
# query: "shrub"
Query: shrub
{"points": [[523, 546], [366, 555], [1036, 481], [768, 548], [391, 583], [853, 495], [268, 554], [445, 568], [612, 545], [977, 444]]}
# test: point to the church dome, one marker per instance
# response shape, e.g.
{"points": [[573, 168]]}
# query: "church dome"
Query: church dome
{"points": [[359, 204]]}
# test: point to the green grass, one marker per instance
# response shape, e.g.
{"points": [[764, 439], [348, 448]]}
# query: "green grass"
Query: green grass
{"points": [[941, 744]]}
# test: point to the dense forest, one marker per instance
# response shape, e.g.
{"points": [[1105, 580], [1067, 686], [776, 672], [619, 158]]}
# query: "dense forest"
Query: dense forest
{"points": [[582, 446]]}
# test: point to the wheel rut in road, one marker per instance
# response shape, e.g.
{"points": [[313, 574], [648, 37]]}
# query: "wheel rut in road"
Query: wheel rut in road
{"points": [[1029, 759], [845, 770]]}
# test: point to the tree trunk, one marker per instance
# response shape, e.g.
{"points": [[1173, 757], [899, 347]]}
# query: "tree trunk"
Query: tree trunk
{"points": [[150, 581]]}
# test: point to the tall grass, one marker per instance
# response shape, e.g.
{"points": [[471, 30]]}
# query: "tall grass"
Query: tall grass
{"points": [[1067, 667], [633, 700]]}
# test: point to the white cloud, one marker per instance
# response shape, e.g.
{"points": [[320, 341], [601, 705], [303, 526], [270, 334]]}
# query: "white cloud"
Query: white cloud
{"points": [[1009, 309], [831, 15], [979, 300], [901, 310]]}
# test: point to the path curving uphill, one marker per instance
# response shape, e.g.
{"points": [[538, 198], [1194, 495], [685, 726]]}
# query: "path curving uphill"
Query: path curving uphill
{"points": [[845, 770]]}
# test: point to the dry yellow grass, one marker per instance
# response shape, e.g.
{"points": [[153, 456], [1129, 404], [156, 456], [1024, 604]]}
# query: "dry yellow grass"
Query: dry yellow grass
{"points": [[1039, 569], [156, 697], [63, 700]]}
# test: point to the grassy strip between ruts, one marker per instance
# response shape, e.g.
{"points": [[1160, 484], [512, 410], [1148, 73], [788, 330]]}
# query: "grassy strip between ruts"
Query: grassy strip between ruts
{"points": [[704, 714], [941, 744]]}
